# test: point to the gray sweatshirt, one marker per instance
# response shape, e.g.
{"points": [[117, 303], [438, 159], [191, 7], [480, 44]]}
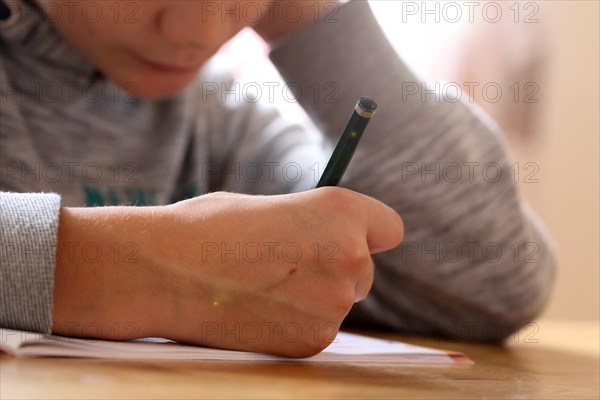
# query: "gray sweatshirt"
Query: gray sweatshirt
{"points": [[475, 263]]}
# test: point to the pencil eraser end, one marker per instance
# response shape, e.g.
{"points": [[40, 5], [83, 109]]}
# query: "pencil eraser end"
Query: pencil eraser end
{"points": [[367, 104]]}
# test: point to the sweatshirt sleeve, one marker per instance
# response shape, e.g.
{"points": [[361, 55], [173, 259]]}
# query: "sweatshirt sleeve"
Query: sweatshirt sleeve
{"points": [[28, 234], [475, 264]]}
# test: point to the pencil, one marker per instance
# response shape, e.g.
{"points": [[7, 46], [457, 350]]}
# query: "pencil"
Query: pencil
{"points": [[344, 150]]}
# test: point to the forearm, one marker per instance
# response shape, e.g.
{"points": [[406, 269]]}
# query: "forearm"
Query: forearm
{"points": [[108, 281], [82, 271]]}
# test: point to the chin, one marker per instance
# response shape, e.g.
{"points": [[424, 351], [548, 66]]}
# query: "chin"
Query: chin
{"points": [[157, 87], [154, 92]]}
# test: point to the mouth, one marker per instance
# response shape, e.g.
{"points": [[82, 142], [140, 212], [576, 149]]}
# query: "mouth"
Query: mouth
{"points": [[161, 67]]}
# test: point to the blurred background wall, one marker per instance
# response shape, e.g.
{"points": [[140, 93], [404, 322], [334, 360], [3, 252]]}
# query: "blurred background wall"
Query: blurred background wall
{"points": [[544, 57]]}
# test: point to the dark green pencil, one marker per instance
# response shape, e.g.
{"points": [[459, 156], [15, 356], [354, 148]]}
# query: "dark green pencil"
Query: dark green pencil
{"points": [[344, 150]]}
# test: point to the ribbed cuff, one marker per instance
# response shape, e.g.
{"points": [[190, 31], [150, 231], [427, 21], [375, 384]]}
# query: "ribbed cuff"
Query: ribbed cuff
{"points": [[28, 235]]}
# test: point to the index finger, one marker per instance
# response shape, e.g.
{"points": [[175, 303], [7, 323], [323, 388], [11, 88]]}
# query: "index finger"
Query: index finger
{"points": [[385, 228]]}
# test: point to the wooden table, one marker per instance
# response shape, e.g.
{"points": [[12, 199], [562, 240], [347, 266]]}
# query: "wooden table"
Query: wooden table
{"points": [[562, 364]]}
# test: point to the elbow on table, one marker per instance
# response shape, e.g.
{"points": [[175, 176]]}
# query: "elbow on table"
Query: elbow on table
{"points": [[504, 316]]}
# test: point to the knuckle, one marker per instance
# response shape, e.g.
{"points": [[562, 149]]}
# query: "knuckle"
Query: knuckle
{"points": [[343, 302], [337, 199], [356, 253]]}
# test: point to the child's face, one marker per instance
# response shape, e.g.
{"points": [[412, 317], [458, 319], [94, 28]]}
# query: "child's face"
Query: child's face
{"points": [[153, 48]]}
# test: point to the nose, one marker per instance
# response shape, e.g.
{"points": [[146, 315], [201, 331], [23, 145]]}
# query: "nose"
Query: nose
{"points": [[178, 23]]}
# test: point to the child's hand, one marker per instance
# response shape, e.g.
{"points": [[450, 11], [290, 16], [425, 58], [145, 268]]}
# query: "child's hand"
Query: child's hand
{"points": [[273, 274], [285, 16]]}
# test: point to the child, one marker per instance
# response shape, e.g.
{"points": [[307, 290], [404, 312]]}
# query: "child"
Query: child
{"points": [[102, 105]]}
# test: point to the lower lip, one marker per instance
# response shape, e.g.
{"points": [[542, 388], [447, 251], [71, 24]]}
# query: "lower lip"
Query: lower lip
{"points": [[164, 68]]}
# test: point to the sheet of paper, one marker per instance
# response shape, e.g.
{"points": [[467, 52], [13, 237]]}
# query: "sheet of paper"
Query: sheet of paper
{"points": [[347, 347]]}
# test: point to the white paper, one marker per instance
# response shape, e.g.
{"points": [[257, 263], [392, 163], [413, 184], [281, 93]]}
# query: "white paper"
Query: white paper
{"points": [[347, 347]]}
